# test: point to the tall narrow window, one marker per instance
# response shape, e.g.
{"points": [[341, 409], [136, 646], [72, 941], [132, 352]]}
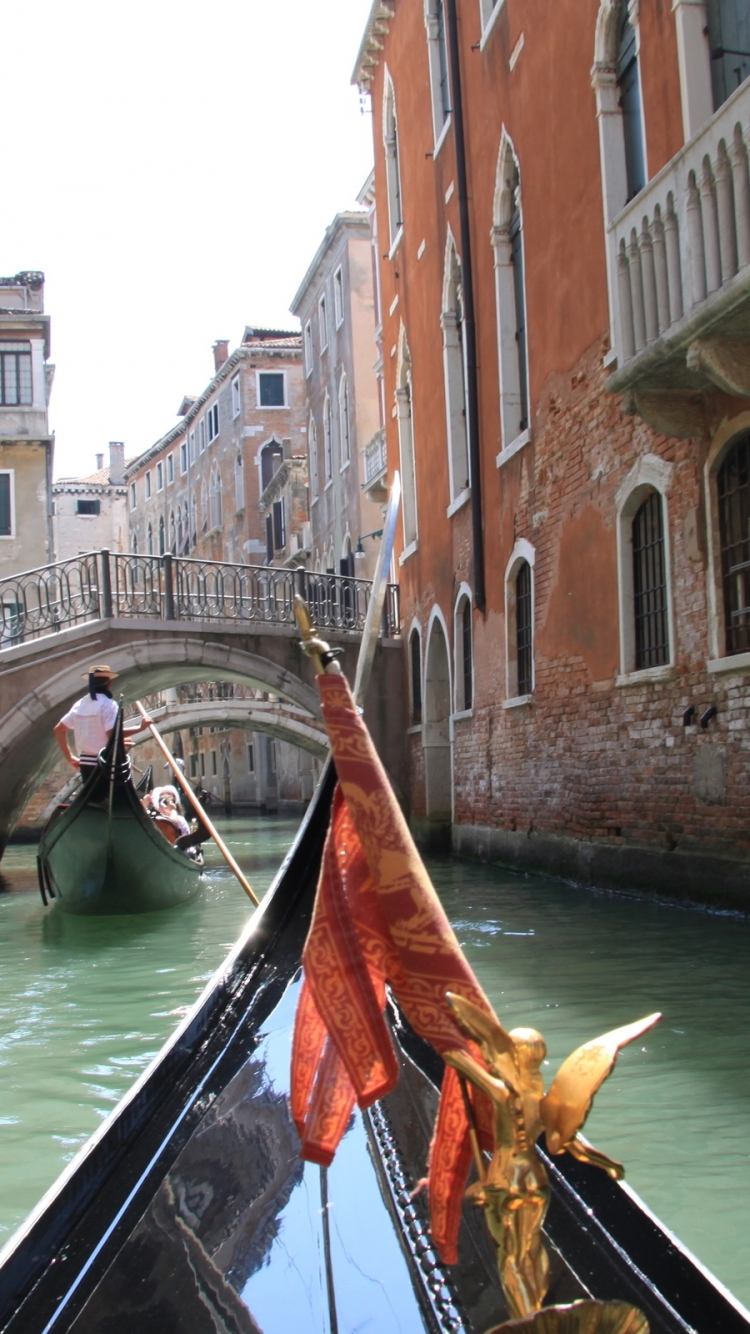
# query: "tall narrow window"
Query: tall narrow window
{"points": [[467, 669], [6, 504], [150, 540], [406, 442], [328, 438], [415, 671], [629, 85], [239, 482], [734, 527], [148, 486], [338, 296], [344, 420], [454, 369], [162, 540], [236, 397], [728, 24], [524, 629], [392, 165], [279, 525], [437, 51], [215, 498], [312, 444], [323, 323], [271, 459], [650, 585], [510, 299], [172, 534], [15, 374], [308, 349]]}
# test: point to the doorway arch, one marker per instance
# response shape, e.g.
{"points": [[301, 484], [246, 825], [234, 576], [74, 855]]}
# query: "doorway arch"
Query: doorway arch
{"points": [[436, 737]]}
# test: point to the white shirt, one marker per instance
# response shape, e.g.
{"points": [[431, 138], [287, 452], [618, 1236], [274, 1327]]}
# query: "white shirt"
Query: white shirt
{"points": [[91, 720]]}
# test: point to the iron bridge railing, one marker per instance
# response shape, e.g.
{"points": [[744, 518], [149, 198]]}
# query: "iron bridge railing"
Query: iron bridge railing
{"points": [[107, 584]]}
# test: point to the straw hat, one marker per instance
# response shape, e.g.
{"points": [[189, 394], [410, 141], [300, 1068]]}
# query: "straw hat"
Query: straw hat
{"points": [[101, 669]]}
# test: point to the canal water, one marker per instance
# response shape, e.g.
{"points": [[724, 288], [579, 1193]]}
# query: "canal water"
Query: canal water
{"points": [[86, 1004]]}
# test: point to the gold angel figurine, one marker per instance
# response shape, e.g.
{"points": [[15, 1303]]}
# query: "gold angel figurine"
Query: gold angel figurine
{"points": [[514, 1189]]}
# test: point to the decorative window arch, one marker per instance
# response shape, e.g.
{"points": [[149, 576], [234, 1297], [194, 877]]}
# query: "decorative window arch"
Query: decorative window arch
{"points": [[613, 57], [463, 651], [392, 163], [437, 54], [510, 301], [331, 566], [215, 497], [312, 445], [271, 459], [193, 521], [454, 370], [328, 438], [415, 675], [172, 534], [162, 537], [519, 622], [406, 444], [643, 566], [344, 422], [733, 498], [436, 724], [134, 543]]}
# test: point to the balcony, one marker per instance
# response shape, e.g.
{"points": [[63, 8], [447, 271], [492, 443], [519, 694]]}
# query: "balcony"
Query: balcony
{"points": [[376, 466], [681, 255]]}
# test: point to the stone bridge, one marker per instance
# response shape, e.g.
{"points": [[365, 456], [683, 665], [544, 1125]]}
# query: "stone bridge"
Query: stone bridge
{"points": [[275, 718], [52, 630]]}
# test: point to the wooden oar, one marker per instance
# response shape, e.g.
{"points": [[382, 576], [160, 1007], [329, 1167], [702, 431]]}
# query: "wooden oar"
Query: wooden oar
{"points": [[194, 802]]}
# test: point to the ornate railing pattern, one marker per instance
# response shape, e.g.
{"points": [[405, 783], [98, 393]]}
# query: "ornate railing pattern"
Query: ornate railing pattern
{"points": [[103, 584], [686, 234], [376, 456]]}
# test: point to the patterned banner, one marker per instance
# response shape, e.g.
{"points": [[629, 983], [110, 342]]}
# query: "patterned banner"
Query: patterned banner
{"points": [[378, 920]]}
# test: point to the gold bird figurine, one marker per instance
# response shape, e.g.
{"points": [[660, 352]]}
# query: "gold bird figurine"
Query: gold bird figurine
{"points": [[514, 1189]]}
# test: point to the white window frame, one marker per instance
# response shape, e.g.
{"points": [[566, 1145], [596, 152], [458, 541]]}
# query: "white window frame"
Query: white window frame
{"points": [[650, 473], [11, 473], [236, 397], [522, 551], [512, 438], [489, 11], [170, 468], [215, 499], [405, 422], [279, 407], [338, 296], [441, 117], [148, 485], [191, 447], [312, 449], [415, 629], [345, 422], [394, 191], [202, 436], [454, 372], [323, 322], [160, 476], [133, 496], [212, 424], [307, 339], [183, 457], [460, 708], [327, 439]]}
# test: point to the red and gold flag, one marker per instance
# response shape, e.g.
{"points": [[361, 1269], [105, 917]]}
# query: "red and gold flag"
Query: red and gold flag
{"points": [[378, 920]]}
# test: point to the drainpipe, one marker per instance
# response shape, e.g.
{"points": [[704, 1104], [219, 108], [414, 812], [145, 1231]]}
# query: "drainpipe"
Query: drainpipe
{"points": [[472, 395]]}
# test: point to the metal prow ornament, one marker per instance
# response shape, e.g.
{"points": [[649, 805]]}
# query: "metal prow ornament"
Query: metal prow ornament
{"points": [[513, 1189]]}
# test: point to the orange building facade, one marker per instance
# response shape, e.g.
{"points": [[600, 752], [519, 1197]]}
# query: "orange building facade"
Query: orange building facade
{"points": [[563, 222]]}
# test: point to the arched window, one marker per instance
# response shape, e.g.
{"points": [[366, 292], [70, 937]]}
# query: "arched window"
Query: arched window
{"points": [[650, 585], [437, 51], [271, 459], [519, 621], [344, 420], [328, 438], [180, 537], [454, 368], [510, 299], [172, 534], [193, 521], [392, 165], [629, 87], [215, 497], [406, 442], [643, 565], [134, 543], [415, 676], [204, 508], [312, 444], [464, 655], [733, 488], [162, 542], [239, 482], [185, 528], [150, 540]]}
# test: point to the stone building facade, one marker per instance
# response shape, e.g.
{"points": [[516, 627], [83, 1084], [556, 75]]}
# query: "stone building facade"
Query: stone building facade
{"points": [[26, 446], [336, 307], [91, 513], [565, 273]]}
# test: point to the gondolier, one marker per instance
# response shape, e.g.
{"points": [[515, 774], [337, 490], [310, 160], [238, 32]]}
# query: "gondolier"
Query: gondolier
{"points": [[91, 721]]}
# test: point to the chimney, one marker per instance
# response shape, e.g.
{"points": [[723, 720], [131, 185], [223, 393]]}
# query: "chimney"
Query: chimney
{"points": [[116, 462], [99, 462], [221, 352]]}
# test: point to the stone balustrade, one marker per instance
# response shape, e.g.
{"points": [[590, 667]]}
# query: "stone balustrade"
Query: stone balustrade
{"points": [[376, 457], [684, 241]]}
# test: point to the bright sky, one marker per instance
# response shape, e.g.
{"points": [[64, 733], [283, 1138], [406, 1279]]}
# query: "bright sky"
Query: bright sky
{"points": [[176, 164]]}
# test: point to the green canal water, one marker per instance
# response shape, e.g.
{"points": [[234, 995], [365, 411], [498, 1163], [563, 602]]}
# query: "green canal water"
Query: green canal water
{"points": [[86, 1004]]}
